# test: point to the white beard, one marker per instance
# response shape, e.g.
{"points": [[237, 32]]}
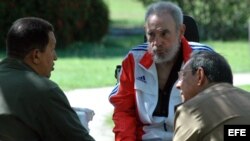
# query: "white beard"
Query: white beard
{"points": [[168, 54]]}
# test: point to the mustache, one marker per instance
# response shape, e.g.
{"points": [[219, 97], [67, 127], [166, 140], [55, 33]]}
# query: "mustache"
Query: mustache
{"points": [[156, 49]]}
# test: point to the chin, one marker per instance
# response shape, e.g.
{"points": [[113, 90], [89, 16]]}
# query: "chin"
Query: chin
{"points": [[162, 59], [183, 98]]}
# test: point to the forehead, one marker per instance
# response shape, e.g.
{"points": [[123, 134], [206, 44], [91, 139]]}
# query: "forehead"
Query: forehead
{"points": [[52, 37], [187, 65], [160, 21]]}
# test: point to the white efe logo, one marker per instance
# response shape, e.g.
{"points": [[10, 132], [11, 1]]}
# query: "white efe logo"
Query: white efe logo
{"points": [[236, 132]]}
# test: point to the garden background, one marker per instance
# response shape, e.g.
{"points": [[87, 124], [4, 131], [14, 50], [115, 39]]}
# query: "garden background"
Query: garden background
{"points": [[90, 65], [96, 42], [94, 36]]}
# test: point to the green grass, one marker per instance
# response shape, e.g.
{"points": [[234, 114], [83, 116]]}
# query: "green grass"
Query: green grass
{"points": [[72, 73], [84, 65], [126, 13], [236, 52], [245, 87], [92, 65]]}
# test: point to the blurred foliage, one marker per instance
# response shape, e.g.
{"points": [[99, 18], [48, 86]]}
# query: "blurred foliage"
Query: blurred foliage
{"points": [[73, 20], [217, 19]]}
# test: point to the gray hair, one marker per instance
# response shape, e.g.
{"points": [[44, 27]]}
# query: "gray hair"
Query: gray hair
{"points": [[162, 7], [215, 66]]}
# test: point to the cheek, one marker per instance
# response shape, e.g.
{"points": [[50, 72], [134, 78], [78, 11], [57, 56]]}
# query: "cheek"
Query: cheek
{"points": [[186, 97], [183, 98], [186, 93], [50, 57], [175, 42], [47, 62], [187, 90], [171, 43], [150, 47]]}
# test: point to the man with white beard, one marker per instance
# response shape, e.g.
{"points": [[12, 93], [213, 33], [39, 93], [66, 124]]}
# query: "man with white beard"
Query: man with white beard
{"points": [[145, 96]]}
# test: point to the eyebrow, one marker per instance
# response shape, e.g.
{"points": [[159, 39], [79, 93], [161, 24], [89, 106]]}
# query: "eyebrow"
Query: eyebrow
{"points": [[165, 30]]}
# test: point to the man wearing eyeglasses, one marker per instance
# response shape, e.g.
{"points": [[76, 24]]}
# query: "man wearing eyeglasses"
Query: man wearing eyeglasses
{"points": [[210, 100]]}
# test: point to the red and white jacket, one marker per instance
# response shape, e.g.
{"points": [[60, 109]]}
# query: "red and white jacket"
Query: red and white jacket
{"points": [[136, 95]]}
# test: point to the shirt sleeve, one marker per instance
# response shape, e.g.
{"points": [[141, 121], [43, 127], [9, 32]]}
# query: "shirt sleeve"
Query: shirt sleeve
{"points": [[123, 100], [60, 121]]}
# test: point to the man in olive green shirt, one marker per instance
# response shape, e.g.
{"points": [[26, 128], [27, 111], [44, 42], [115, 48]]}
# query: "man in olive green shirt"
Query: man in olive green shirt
{"points": [[210, 99], [32, 107]]}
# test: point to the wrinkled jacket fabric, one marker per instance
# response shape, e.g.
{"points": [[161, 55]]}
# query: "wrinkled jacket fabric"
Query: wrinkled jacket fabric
{"points": [[203, 117]]}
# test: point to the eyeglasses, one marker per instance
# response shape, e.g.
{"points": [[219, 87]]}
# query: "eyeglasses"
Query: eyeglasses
{"points": [[181, 73]]}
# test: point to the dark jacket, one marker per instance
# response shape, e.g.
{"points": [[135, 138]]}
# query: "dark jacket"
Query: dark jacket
{"points": [[33, 108]]}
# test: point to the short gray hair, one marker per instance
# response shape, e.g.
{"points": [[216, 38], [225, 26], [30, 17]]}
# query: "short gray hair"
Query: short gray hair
{"points": [[215, 66], [163, 7]]}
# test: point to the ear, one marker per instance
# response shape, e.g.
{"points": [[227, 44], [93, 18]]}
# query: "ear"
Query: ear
{"points": [[35, 56], [145, 31], [201, 76], [182, 30]]}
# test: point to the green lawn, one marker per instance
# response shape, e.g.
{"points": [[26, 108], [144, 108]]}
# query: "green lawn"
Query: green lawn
{"points": [[93, 65], [236, 52], [126, 13], [84, 65], [72, 73]]}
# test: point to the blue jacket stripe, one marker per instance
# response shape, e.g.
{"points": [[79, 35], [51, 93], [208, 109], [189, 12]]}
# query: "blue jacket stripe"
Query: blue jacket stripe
{"points": [[114, 91]]}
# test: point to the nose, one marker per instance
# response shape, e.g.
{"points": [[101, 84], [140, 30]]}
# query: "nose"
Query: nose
{"points": [[55, 56], [178, 84], [157, 41]]}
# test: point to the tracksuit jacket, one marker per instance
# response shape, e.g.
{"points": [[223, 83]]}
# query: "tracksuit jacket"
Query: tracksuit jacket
{"points": [[135, 96]]}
